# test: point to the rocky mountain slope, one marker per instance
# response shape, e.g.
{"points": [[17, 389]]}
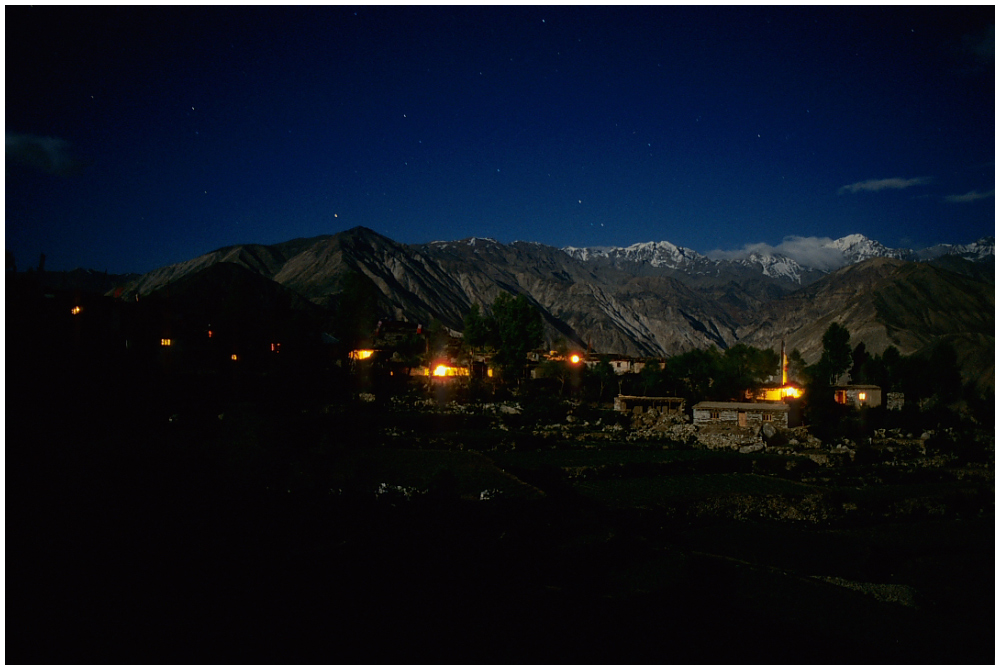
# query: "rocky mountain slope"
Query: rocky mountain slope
{"points": [[652, 299], [882, 302]]}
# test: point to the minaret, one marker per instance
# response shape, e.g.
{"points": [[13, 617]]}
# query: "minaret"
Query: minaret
{"points": [[784, 365]]}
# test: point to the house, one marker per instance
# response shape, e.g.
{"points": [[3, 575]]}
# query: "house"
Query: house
{"points": [[742, 414], [773, 393], [636, 404], [859, 395], [621, 365], [441, 370]]}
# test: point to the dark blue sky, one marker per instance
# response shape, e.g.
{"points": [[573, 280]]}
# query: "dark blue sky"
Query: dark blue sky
{"points": [[139, 137]]}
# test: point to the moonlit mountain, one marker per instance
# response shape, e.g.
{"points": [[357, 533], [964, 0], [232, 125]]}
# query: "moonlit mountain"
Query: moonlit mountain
{"points": [[798, 260], [650, 299]]}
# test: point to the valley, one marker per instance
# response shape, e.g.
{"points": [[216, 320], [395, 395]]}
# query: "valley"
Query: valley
{"points": [[176, 479]]}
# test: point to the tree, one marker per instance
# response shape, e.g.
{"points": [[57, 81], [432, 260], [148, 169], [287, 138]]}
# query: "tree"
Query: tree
{"points": [[836, 358], [943, 370], [745, 368], [693, 373], [605, 376], [891, 361], [859, 359], [796, 366], [823, 413], [437, 339], [650, 379], [871, 371], [476, 333], [514, 329], [556, 369], [358, 308]]}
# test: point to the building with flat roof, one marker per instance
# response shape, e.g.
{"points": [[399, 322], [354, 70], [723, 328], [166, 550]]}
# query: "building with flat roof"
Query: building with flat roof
{"points": [[636, 404], [741, 414], [859, 395]]}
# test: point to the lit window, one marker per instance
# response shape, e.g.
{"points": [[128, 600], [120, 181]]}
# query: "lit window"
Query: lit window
{"points": [[862, 395], [76, 310], [361, 354], [233, 357], [276, 347], [210, 333], [440, 371], [165, 342]]}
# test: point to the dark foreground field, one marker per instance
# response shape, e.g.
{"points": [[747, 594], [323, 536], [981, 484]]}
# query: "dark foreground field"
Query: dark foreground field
{"points": [[289, 528]]}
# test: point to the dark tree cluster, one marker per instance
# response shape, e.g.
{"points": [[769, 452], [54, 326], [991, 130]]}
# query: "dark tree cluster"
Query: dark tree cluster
{"points": [[930, 381], [706, 374], [513, 328]]}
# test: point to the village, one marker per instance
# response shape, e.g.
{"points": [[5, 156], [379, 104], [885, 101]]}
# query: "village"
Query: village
{"points": [[408, 471], [742, 398]]}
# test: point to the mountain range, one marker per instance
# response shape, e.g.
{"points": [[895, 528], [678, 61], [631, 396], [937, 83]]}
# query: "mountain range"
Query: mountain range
{"points": [[649, 299], [826, 255]]}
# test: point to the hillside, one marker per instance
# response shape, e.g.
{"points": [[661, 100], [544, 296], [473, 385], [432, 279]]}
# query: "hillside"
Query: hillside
{"points": [[887, 302]]}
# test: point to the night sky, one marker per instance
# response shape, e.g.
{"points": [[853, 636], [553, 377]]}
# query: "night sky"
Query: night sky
{"points": [[140, 137]]}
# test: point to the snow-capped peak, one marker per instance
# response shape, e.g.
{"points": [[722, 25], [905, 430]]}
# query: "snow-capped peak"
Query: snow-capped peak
{"points": [[586, 253], [796, 259], [857, 248], [976, 251], [776, 266], [657, 254]]}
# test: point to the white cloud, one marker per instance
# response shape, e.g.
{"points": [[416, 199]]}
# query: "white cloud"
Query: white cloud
{"points": [[882, 184], [48, 154], [814, 252], [971, 196]]}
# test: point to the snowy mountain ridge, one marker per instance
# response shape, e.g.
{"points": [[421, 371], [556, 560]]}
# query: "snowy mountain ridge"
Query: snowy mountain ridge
{"points": [[821, 257]]}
